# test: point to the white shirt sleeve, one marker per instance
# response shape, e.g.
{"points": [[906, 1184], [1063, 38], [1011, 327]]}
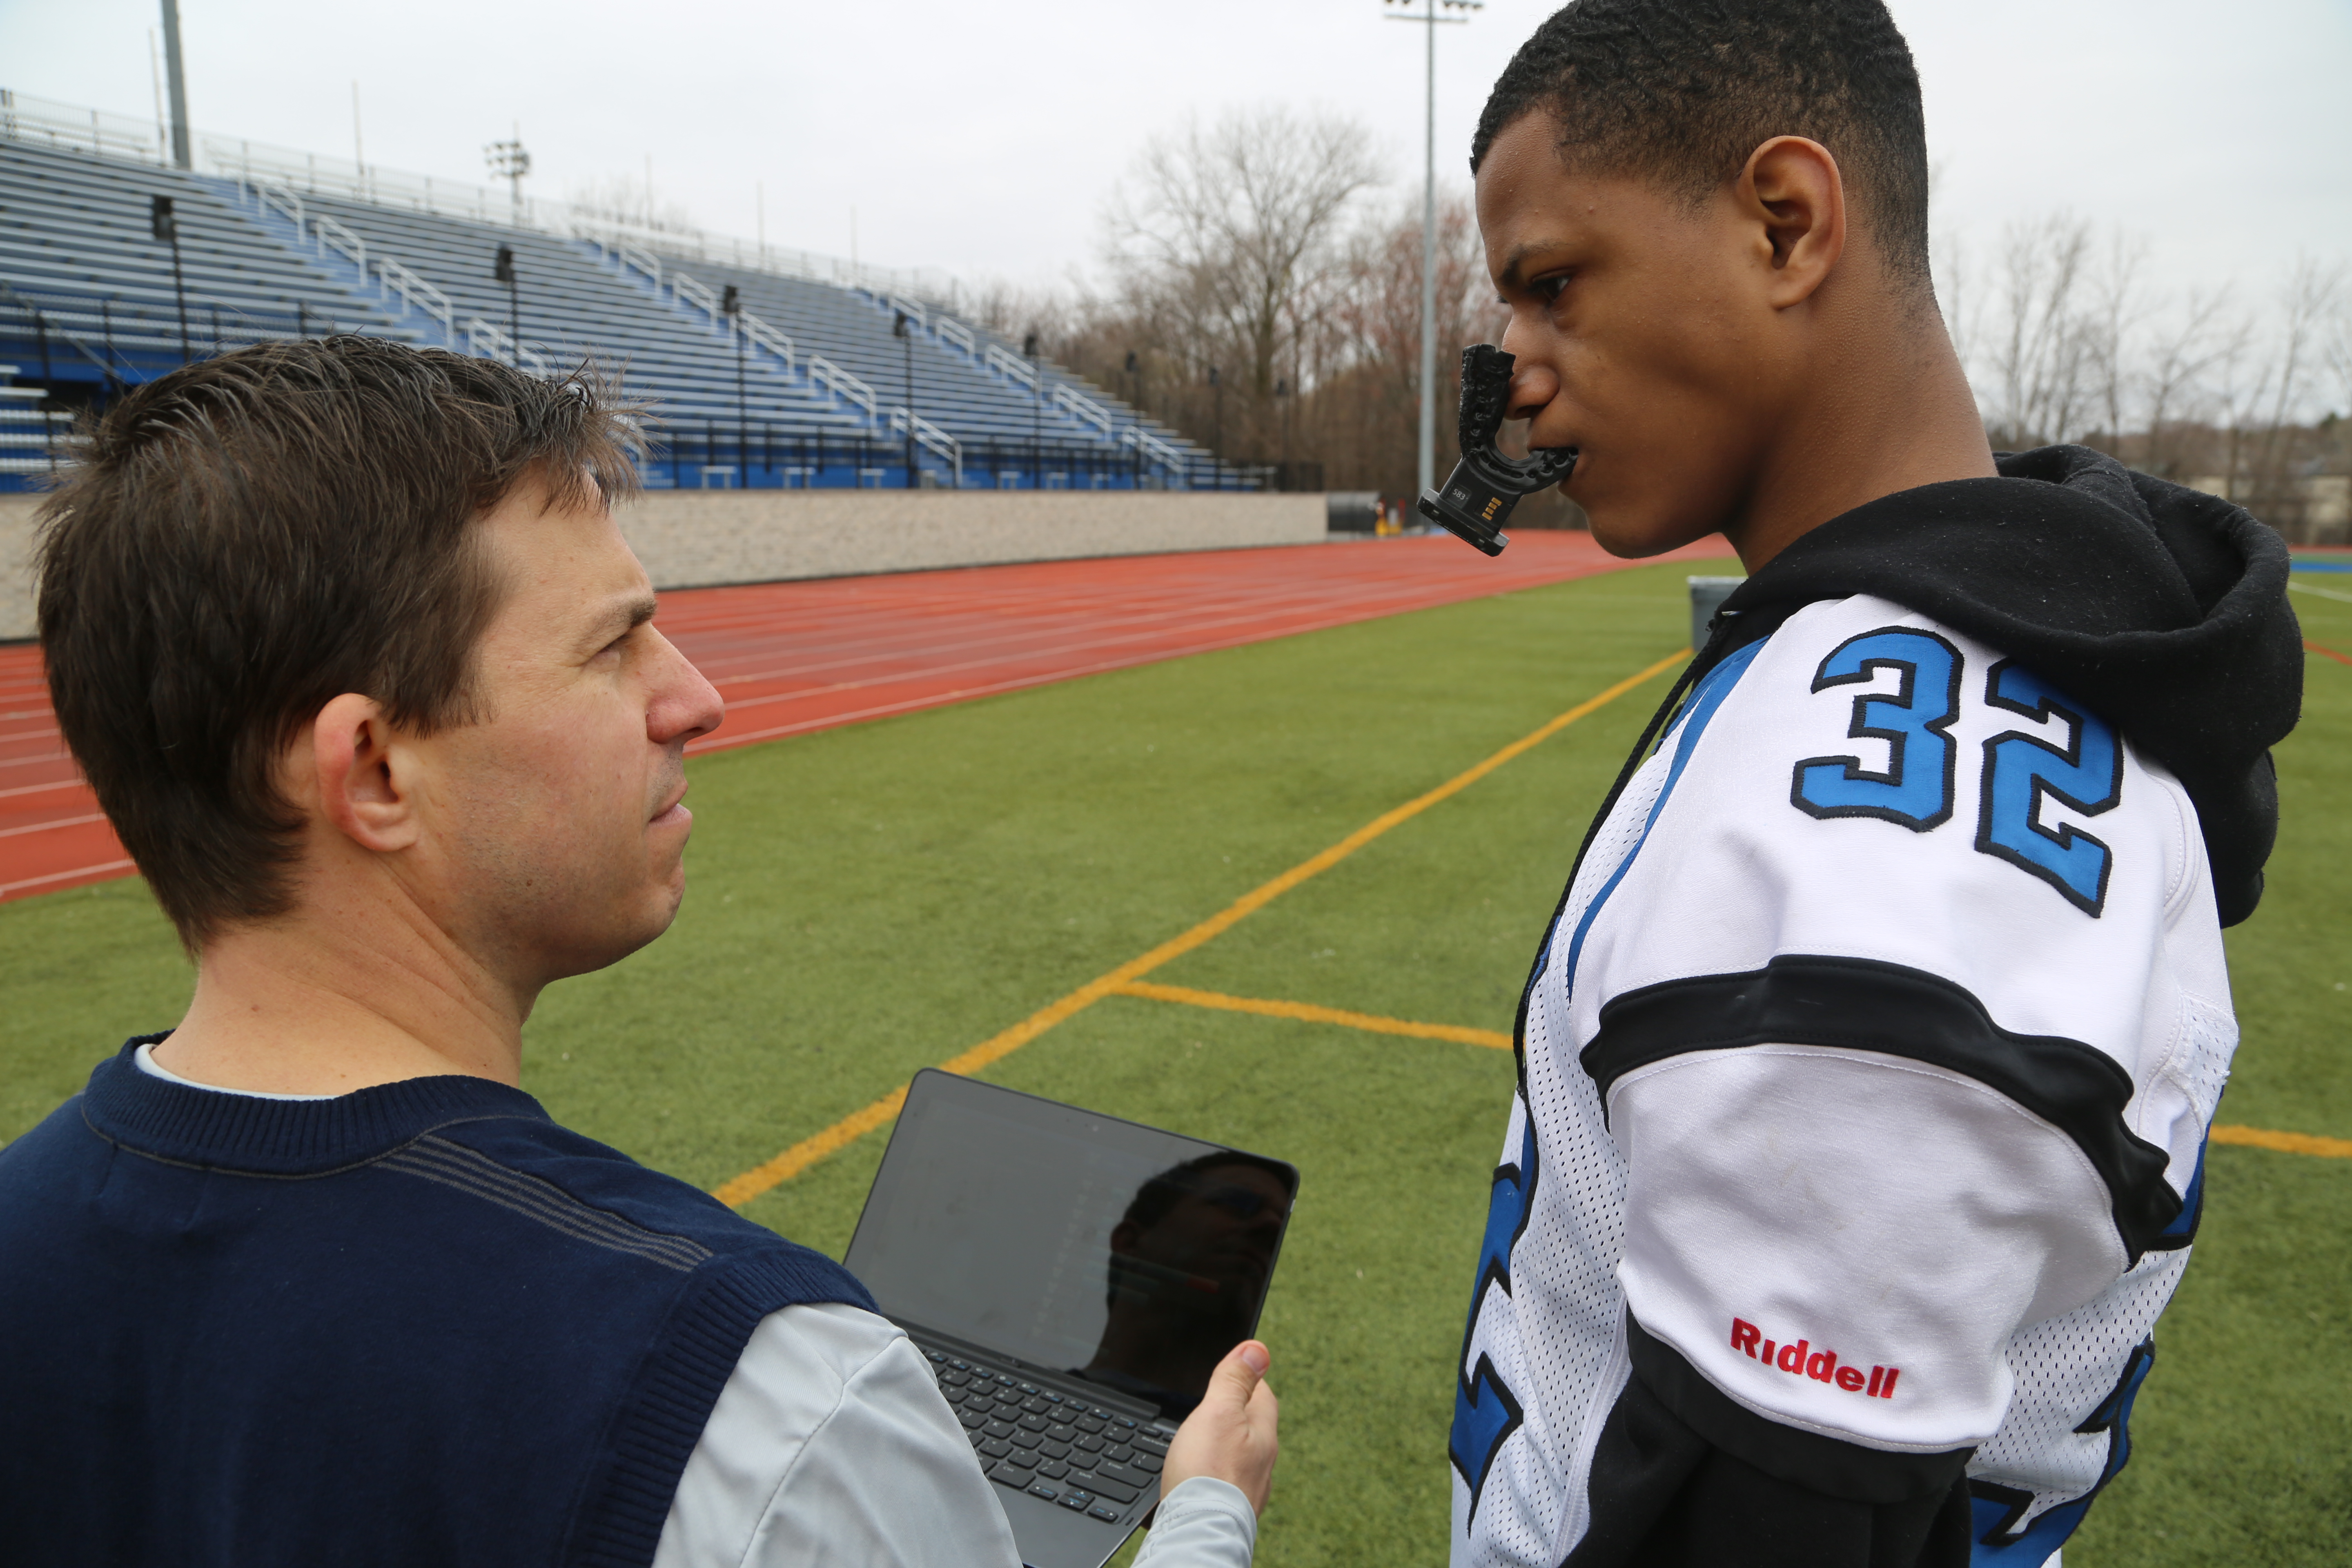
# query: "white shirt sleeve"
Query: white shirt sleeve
{"points": [[1203, 1523], [830, 1443]]}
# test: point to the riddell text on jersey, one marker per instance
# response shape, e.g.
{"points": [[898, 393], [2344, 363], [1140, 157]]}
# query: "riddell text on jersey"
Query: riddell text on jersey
{"points": [[1799, 1357]]}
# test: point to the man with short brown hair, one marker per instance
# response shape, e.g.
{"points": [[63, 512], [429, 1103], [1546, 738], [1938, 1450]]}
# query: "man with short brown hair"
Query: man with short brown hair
{"points": [[348, 644]]}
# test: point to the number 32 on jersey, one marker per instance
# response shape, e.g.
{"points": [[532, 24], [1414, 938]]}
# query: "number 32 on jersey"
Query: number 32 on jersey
{"points": [[2020, 770]]}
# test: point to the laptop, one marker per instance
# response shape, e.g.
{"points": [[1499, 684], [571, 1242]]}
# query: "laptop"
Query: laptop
{"points": [[1072, 1279]]}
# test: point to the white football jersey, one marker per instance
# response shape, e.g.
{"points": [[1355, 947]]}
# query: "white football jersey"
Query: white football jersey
{"points": [[1867, 1066]]}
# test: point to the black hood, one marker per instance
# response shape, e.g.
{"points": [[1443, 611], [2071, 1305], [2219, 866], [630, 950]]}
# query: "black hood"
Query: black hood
{"points": [[2160, 608]]}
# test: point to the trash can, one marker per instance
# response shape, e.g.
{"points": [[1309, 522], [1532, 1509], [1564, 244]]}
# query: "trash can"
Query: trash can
{"points": [[1353, 511], [1707, 594]]}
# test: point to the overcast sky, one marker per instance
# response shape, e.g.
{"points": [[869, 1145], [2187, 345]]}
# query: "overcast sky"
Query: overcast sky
{"points": [[984, 139]]}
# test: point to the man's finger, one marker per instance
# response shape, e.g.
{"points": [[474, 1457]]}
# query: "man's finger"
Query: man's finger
{"points": [[1237, 1377]]}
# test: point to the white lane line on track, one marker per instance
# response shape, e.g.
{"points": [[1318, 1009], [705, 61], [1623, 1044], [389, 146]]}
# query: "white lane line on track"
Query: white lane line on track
{"points": [[107, 869]]}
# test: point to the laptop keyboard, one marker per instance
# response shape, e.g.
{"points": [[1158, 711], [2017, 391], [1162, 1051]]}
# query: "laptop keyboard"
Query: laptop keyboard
{"points": [[1055, 1447]]}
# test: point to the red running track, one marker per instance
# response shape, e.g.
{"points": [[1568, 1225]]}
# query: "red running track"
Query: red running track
{"points": [[790, 658]]}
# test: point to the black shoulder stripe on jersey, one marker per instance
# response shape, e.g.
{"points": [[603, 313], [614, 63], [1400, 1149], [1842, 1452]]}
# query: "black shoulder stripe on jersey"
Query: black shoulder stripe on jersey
{"points": [[1827, 1465], [1801, 999]]}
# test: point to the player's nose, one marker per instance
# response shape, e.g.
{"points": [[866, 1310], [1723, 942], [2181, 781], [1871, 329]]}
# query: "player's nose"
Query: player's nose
{"points": [[1534, 383]]}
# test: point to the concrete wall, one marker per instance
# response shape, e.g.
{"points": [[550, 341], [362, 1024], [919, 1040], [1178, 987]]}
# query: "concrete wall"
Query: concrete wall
{"points": [[692, 538], [697, 538], [17, 565]]}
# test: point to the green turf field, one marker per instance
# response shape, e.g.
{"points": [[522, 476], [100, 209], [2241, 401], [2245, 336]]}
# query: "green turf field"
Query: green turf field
{"points": [[870, 901]]}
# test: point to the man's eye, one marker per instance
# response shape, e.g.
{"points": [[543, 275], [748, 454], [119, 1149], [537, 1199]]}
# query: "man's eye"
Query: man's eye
{"points": [[1549, 289]]}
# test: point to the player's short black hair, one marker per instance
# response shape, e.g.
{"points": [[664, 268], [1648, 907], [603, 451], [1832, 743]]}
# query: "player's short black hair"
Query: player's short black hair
{"points": [[1684, 90]]}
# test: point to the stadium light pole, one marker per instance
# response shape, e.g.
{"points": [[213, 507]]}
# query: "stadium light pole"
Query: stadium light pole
{"points": [[904, 329], [731, 305], [1429, 18], [503, 270], [182, 155], [166, 228]]}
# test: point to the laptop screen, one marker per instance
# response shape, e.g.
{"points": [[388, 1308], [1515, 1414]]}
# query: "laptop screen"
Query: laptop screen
{"points": [[1123, 1254]]}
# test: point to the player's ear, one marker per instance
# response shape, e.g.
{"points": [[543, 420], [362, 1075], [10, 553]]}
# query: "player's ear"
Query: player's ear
{"points": [[1793, 193]]}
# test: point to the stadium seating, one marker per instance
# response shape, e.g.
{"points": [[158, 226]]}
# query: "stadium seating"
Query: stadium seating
{"points": [[89, 294], [27, 428], [806, 383]]}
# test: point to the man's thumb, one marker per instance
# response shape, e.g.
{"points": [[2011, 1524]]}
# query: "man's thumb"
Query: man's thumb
{"points": [[1245, 1364]]}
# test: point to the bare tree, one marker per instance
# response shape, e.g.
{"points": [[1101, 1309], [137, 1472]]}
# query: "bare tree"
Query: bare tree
{"points": [[2335, 350], [2180, 355], [1257, 301], [2310, 303], [2237, 383], [2039, 359], [628, 199], [1367, 389], [1228, 239], [2105, 326]]}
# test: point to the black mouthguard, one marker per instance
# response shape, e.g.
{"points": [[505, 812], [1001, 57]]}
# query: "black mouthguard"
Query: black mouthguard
{"points": [[1486, 484]]}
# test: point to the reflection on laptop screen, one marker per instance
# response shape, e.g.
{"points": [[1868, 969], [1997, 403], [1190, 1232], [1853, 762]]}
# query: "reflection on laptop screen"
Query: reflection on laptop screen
{"points": [[1129, 1257]]}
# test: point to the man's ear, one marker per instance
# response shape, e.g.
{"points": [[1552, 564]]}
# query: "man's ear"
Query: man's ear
{"points": [[360, 772], [1792, 190]]}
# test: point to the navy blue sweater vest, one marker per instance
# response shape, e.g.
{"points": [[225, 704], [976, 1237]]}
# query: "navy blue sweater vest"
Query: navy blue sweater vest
{"points": [[417, 1324]]}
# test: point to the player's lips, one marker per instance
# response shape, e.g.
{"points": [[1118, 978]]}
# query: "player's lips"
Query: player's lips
{"points": [[675, 814]]}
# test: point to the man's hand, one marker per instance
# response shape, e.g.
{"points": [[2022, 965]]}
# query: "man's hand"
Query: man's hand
{"points": [[1231, 1434]]}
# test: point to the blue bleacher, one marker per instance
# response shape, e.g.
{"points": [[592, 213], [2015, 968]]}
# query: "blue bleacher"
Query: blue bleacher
{"points": [[814, 389], [88, 295], [29, 429]]}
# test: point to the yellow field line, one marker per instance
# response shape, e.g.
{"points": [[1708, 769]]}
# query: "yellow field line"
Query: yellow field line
{"points": [[2252, 1137], [743, 1189], [1309, 1013], [2284, 1143]]}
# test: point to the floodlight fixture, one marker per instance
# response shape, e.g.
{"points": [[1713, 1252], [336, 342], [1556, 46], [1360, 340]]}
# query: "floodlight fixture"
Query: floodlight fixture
{"points": [[509, 161]]}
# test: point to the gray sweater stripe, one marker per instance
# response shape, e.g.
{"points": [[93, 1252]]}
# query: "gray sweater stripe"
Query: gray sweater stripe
{"points": [[453, 1165]]}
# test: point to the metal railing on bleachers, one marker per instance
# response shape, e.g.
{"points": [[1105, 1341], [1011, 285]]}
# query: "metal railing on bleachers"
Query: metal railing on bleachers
{"points": [[281, 243]]}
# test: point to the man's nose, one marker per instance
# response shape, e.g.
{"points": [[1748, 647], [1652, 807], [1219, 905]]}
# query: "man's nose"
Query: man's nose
{"points": [[685, 704]]}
